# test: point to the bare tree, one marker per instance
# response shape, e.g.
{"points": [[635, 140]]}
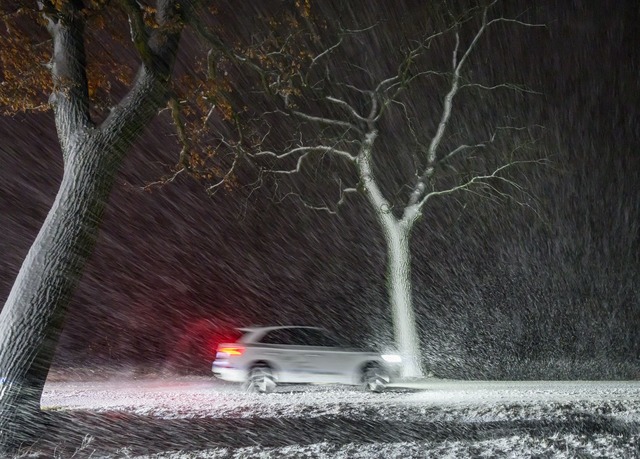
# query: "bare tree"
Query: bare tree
{"points": [[339, 117]]}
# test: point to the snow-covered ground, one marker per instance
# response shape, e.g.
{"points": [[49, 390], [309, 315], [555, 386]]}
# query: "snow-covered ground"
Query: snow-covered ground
{"points": [[432, 418]]}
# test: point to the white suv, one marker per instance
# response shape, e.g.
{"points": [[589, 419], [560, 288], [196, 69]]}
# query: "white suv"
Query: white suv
{"points": [[266, 356]]}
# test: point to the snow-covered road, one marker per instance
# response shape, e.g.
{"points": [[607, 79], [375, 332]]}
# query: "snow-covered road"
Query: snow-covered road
{"points": [[205, 397], [197, 417]]}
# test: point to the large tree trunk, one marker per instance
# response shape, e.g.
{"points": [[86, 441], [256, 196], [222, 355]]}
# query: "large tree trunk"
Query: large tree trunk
{"points": [[400, 295], [33, 315], [398, 263]]}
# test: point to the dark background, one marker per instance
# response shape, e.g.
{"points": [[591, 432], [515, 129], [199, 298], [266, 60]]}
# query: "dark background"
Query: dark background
{"points": [[500, 291]]}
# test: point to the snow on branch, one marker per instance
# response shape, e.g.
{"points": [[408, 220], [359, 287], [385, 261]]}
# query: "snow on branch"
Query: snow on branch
{"points": [[305, 152], [344, 192], [348, 107], [514, 21], [325, 53], [226, 177], [510, 86], [460, 149], [481, 179], [326, 121]]}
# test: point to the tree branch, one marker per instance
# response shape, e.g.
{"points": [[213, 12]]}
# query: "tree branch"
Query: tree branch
{"points": [[324, 53], [150, 89], [478, 179], [511, 86], [460, 149], [326, 121], [514, 21], [225, 178], [343, 194], [347, 107], [305, 151], [183, 160], [139, 32], [70, 95], [163, 181]]}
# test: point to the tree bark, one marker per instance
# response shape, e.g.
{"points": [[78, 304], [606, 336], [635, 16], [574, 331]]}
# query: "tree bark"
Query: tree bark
{"points": [[33, 316], [400, 294]]}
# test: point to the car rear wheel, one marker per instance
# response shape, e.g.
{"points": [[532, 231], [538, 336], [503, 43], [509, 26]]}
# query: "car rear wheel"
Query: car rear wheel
{"points": [[260, 380], [375, 378]]}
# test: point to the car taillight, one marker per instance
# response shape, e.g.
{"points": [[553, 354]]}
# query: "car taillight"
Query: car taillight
{"points": [[231, 350]]}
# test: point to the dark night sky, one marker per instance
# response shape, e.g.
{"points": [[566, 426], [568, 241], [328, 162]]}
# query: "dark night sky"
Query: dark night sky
{"points": [[486, 275]]}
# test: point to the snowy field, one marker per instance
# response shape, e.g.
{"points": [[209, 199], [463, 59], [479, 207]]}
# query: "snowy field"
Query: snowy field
{"points": [[199, 418]]}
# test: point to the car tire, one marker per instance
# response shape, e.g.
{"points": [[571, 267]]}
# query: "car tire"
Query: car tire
{"points": [[260, 380], [375, 378]]}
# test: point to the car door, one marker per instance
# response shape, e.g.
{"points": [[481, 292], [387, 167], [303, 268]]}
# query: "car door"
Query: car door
{"points": [[286, 348], [331, 362]]}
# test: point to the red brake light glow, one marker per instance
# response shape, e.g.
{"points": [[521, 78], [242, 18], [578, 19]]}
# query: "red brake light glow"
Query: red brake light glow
{"points": [[231, 350]]}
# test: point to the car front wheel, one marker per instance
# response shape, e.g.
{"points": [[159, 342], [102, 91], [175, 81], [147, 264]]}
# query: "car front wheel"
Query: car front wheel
{"points": [[375, 379], [260, 380]]}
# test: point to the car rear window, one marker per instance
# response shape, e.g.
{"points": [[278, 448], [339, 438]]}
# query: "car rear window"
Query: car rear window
{"points": [[279, 336]]}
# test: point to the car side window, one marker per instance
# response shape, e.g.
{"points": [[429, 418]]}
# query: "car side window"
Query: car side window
{"points": [[282, 336], [320, 338], [299, 337], [330, 341]]}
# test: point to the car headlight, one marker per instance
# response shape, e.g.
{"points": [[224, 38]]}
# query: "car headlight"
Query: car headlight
{"points": [[391, 358]]}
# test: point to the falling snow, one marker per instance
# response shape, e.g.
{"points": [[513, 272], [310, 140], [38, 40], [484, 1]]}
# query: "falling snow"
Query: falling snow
{"points": [[526, 298]]}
